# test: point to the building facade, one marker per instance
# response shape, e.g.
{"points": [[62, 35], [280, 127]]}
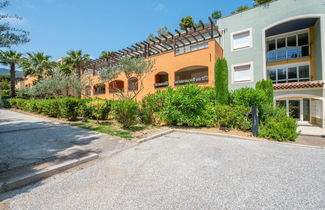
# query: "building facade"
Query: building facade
{"points": [[284, 41]]}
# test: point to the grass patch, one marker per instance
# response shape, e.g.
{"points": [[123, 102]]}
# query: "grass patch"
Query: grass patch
{"points": [[112, 128]]}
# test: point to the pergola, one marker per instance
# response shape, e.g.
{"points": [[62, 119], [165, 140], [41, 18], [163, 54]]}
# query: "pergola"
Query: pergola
{"points": [[164, 43]]}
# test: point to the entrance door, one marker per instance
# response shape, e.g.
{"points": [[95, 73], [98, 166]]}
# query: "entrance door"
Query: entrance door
{"points": [[294, 109], [306, 109]]}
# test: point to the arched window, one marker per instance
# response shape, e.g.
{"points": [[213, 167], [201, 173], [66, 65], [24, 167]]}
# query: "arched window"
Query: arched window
{"points": [[161, 79], [116, 86], [88, 91], [194, 74], [133, 84], [99, 89]]}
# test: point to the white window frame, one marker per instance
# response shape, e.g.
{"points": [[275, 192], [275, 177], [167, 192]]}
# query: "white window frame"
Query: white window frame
{"points": [[250, 30], [239, 65], [297, 65], [286, 36]]}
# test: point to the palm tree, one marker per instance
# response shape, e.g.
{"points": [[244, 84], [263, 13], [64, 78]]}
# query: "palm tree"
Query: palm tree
{"points": [[105, 54], [37, 64], [76, 59], [11, 58]]}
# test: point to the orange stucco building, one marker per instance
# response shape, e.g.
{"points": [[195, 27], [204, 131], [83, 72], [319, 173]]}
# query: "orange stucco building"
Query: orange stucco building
{"points": [[179, 59]]}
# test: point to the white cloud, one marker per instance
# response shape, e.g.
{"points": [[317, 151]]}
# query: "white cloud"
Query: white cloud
{"points": [[161, 7]]}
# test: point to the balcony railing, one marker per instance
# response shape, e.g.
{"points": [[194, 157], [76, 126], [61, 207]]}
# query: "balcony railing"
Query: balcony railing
{"points": [[161, 84], [193, 80], [287, 53]]}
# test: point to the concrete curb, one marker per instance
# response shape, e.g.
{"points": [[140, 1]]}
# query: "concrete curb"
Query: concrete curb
{"points": [[155, 136], [31, 177], [222, 135], [244, 138]]}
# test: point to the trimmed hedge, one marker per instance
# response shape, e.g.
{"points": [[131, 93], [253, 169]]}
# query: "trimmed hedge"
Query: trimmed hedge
{"points": [[64, 108]]}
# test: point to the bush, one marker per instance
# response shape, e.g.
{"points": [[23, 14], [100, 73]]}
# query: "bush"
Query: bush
{"points": [[221, 81], [69, 108], [279, 128], [150, 105], [126, 112], [188, 105], [99, 108], [51, 107], [4, 101], [238, 117], [267, 87], [248, 97]]}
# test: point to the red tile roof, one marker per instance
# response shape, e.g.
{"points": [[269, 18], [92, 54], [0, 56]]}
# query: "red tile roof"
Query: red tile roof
{"points": [[298, 85]]}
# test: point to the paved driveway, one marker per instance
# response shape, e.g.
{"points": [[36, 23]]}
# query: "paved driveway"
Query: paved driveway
{"points": [[189, 171], [25, 140]]}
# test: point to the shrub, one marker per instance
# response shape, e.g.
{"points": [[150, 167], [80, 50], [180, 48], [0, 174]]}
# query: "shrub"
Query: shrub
{"points": [[84, 111], [51, 107], [279, 128], [150, 105], [188, 105], [4, 101], [237, 117], [221, 81], [248, 97], [126, 112], [98, 108], [69, 108], [267, 87]]}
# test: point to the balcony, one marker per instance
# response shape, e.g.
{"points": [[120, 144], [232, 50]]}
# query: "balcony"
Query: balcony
{"points": [[287, 53], [195, 74]]}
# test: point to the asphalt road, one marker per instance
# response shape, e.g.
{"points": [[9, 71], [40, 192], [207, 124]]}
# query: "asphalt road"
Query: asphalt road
{"points": [[188, 171]]}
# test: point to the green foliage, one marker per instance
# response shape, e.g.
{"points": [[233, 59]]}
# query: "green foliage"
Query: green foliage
{"points": [[9, 35], [37, 64], [248, 97], [126, 112], [188, 105], [216, 14], [240, 9], [105, 54], [234, 117], [280, 128], [221, 81], [99, 108], [4, 85], [69, 108], [260, 2], [150, 105], [267, 87], [76, 59], [186, 22]]}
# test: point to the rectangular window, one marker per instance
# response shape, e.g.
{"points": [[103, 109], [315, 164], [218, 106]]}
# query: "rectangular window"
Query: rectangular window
{"points": [[292, 73], [288, 47], [242, 73], [241, 40]]}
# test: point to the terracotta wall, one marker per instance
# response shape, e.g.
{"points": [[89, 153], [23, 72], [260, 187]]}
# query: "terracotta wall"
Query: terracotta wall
{"points": [[170, 63]]}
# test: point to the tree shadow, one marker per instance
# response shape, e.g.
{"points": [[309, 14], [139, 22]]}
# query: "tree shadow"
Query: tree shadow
{"points": [[26, 145]]}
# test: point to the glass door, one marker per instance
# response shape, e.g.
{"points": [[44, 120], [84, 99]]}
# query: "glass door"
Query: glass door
{"points": [[306, 109], [294, 109]]}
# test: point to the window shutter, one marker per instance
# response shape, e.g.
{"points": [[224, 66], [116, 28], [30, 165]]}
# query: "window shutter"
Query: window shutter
{"points": [[241, 40], [242, 73]]}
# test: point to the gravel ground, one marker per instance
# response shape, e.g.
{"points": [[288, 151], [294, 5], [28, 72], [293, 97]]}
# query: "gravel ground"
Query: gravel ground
{"points": [[188, 171]]}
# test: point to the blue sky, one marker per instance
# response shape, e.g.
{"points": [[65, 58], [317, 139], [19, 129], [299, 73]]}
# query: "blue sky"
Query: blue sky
{"points": [[57, 26]]}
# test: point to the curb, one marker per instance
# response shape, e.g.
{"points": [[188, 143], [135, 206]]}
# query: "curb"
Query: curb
{"points": [[155, 136], [25, 179], [244, 138]]}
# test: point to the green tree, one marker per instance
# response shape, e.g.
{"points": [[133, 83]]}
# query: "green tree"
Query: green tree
{"points": [[76, 59], [4, 85], [105, 54], [240, 9], [260, 2], [37, 64], [10, 35], [130, 67], [221, 81], [11, 58], [186, 22], [267, 87], [163, 31], [216, 15]]}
